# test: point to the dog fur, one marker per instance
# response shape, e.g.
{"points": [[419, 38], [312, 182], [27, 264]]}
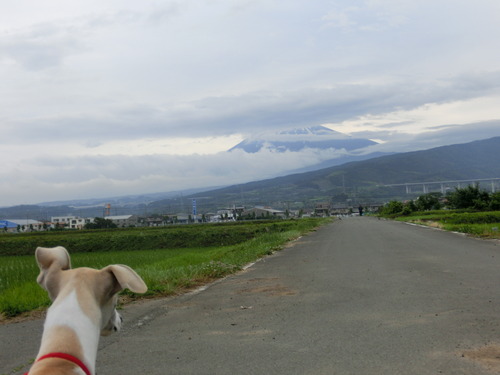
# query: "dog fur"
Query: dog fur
{"points": [[83, 308]]}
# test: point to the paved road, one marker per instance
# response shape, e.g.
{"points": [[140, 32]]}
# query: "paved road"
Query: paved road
{"points": [[360, 296]]}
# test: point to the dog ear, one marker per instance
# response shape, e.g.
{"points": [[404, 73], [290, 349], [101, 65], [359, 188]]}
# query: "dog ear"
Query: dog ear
{"points": [[51, 260], [46, 257], [127, 278]]}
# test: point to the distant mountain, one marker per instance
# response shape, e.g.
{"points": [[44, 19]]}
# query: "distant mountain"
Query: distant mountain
{"points": [[340, 161], [316, 137], [360, 181], [124, 201], [363, 180], [474, 160], [130, 204]]}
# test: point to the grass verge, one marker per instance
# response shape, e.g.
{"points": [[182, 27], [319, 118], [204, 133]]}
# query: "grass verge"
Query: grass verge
{"points": [[478, 224]]}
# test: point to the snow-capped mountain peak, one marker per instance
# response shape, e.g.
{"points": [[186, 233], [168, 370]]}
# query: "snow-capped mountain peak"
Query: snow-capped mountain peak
{"points": [[313, 130], [297, 139]]}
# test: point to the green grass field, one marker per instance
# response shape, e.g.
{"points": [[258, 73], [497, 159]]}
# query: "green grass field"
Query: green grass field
{"points": [[166, 271]]}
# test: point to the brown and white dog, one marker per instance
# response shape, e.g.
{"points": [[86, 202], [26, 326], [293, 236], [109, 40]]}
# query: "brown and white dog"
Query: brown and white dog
{"points": [[83, 308]]}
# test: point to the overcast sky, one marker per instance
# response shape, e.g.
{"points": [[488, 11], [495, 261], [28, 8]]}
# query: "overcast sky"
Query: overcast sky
{"points": [[116, 97]]}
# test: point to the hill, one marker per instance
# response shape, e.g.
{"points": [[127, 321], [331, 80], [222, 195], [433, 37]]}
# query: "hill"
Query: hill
{"points": [[364, 180]]}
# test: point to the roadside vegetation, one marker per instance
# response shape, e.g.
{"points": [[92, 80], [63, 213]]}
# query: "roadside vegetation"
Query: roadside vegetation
{"points": [[169, 259], [467, 210]]}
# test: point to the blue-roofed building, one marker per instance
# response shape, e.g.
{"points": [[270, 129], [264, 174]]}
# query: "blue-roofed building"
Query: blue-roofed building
{"points": [[8, 226], [25, 225]]}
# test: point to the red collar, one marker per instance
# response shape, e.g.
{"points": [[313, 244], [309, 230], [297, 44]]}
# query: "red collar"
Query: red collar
{"points": [[67, 357]]}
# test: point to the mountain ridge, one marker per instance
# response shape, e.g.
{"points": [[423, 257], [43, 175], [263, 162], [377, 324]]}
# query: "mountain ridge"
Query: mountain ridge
{"points": [[364, 179]]}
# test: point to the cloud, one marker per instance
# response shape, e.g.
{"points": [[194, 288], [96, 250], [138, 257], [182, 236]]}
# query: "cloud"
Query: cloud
{"points": [[122, 95], [372, 16], [54, 178], [42, 47], [258, 111], [47, 44], [396, 140], [427, 117]]}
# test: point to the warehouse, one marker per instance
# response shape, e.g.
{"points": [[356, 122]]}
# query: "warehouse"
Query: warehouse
{"points": [[20, 225]]}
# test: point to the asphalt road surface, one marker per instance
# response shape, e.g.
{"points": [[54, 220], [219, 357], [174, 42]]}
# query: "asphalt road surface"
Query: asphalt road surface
{"points": [[359, 296]]}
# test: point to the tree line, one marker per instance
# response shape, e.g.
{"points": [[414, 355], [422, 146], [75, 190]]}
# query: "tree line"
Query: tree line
{"points": [[471, 197]]}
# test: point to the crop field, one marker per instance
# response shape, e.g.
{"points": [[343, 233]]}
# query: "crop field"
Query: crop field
{"points": [[480, 224], [169, 259]]}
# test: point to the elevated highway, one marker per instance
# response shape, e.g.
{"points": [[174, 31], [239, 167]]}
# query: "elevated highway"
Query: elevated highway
{"points": [[493, 184]]}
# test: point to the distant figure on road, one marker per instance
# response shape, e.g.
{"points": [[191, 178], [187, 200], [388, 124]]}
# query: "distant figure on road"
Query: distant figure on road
{"points": [[360, 208]]}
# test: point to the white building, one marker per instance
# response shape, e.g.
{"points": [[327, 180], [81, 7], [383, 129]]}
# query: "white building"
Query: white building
{"points": [[70, 222]]}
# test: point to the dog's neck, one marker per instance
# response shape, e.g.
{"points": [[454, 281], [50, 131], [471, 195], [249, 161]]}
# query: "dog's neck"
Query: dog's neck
{"points": [[69, 330]]}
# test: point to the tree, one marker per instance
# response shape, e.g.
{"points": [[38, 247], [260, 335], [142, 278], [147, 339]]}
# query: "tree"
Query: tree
{"points": [[411, 206], [495, 201], [428, 202], [100, 223], [392, 208], [407, 209], [469, 197]]}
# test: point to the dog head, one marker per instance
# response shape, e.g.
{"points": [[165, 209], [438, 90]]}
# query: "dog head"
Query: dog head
{"points": [[96, 290]]}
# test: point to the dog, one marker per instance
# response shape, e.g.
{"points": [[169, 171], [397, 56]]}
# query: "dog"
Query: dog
{"points": [[83, 308]]}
